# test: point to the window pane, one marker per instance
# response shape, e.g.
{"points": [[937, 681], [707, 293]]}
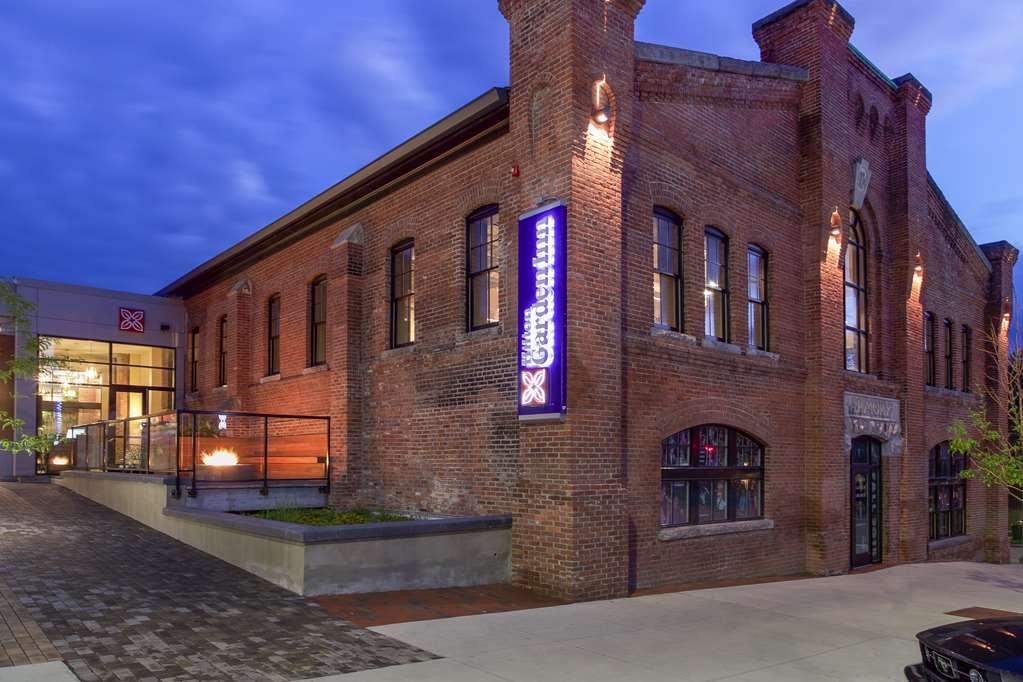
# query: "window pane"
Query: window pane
{"points": [[713, 446], [852, 265], [73, 349], [747, 499], [404, 326], [675, 450], [493, 316], [712, 500], [852, 351], [757, 327], [713, 324], [747, 452], [666, 301], [143, 355], [674, 503], [756, 276], [852, 306], [160, 401]]}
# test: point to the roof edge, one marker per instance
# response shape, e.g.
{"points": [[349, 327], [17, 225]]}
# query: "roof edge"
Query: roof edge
{"points": [[665, 54], [479, 108], [959, 221], [788, 9]]}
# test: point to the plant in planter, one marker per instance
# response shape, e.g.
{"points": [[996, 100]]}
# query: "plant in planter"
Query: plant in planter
{"points": [[25, 363]]}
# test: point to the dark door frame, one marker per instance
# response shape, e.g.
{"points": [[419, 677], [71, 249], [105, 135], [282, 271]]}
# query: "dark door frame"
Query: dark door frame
{"points": [[869, 463]]}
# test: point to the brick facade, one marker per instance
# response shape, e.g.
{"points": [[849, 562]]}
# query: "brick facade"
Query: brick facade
{"points": [[764, 152]]}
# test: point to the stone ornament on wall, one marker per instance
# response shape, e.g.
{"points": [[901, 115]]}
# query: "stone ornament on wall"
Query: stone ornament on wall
{"points": [[861, 181], [869, 415]]}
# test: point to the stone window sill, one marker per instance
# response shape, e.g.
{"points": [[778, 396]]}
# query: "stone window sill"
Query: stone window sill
{"points": [[949, 394], [948, 543], [269, 378], [315, 369], [400, 351], [698, 531], [491, 332], [712, 343]]}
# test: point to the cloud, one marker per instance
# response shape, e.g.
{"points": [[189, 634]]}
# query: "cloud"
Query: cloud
{"points": [[249, 181]]}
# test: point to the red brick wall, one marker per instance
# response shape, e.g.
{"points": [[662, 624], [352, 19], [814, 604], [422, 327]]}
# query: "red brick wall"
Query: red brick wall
{"points": [[433, 426], [6, 388]]}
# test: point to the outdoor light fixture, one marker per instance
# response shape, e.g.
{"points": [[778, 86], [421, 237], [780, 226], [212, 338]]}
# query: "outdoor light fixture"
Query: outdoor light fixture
{"points": [[601, 105], [836, 223], [919, 267]]}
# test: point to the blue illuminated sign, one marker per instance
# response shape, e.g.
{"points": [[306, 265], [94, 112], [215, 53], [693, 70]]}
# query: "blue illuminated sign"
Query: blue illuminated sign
{"points": [[542, 314]]}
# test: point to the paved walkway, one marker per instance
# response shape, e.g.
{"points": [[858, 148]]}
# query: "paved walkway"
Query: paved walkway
{"points": [[854, 627], [119, 601]]}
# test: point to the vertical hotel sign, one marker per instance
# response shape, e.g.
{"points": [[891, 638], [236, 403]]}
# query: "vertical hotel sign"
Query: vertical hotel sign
{"points": [[542, 289]]}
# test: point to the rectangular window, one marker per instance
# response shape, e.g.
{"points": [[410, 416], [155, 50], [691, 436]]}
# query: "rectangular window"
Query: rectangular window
{"points": [[273, 335], [947, 493], [757, 266], [318, 321], [711, 474], [667, 270], [222, 353], [403, 297], [483, 287], [193, 353], [716, 285], [965, 351], [949, 367], [930, 361]]}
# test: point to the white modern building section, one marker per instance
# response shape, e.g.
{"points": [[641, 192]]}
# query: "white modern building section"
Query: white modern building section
{"points": [[119, 356]]}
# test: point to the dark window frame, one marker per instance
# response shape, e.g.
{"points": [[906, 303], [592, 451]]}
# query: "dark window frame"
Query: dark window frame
{"points": [[857, 241], [396, 251], [764, 342], [944, 469], [930, 349], [273, 335], [721, 289], [493, 263], [949, 355], [675, 279], [193, 367], [966, 356], [222, 351], [693, 473], [317, 341]]}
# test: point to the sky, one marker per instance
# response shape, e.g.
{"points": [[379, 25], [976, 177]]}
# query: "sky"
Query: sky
{"points": [[140, 137]]}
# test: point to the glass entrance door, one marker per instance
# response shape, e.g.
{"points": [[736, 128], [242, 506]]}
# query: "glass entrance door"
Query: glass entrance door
{"points": [[865, 501], [126, 441]]}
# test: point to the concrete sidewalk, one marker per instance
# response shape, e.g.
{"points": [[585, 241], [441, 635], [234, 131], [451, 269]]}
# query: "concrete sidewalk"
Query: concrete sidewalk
{"points": [[852, 627]]}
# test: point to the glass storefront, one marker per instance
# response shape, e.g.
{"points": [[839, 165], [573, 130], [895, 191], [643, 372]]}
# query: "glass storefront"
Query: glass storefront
{"points": [[95, 380]]}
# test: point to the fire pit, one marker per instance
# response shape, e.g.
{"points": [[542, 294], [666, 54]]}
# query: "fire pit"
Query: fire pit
{"points": [[223, 465]]}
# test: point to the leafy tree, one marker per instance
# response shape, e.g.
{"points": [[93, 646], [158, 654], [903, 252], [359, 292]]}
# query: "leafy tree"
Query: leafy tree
{"points": [[995, 456], [27, 362]]}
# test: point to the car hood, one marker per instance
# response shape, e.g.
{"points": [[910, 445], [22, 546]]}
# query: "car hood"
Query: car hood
{"points": [[995, 643]]}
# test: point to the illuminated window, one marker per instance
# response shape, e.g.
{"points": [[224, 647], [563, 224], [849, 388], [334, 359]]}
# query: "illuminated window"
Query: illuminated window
{"points": [[667, 270], [966, 348], [856, 326], [193, 352], [482, 234], [930, 361], [949, 371], [758, 318], [947, 493], [273, 335], [716, 285], [711, 474], [222, 352], [403, 297], [318, 321]]}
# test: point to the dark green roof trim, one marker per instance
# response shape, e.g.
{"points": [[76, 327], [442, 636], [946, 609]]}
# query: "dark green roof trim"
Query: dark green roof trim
{"points": [[872, 67], [959, 221]]}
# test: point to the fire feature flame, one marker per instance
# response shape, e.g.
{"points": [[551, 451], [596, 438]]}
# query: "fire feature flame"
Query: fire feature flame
{"points": [[60, 461], [220, 458]]}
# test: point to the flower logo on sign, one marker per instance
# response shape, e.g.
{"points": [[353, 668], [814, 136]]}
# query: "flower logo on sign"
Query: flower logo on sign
{"points": [[534, 387], [131, 320]]}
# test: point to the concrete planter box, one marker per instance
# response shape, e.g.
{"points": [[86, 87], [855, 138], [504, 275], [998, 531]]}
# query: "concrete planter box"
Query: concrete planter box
{"points": [[312, 560]]}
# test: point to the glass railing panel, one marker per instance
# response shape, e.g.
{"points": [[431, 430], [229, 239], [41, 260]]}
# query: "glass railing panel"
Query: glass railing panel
{"points": [[163, 434]]}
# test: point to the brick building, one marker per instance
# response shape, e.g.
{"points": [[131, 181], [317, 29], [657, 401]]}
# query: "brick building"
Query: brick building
{"points": [[773, 314]]}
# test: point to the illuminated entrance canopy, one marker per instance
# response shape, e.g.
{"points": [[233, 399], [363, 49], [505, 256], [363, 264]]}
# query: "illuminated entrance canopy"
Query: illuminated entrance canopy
{"points": [[542, 285]]}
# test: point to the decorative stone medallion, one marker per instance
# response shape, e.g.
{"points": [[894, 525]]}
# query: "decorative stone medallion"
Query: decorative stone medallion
{"points": [[869, 415], [861, 181]]}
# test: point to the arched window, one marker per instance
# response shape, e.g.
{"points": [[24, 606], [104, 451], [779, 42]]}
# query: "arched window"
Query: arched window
{"points": [[222, 351], [856, 326], [403, 297], [757, 295], [273, 335], [482, 288], [947, 493], [715, 289], [667, 270], [318, 321], [711, 474]]}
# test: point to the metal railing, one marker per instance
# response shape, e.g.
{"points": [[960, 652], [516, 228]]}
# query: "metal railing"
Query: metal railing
{"points": [[209, 447]]}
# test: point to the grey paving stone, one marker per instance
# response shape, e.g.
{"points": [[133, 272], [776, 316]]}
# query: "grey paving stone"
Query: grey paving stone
{"points": [[117, 600]]}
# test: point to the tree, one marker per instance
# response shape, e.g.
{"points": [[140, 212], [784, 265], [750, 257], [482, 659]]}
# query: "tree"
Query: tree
{"points": [[995, 456], [27, 362]]}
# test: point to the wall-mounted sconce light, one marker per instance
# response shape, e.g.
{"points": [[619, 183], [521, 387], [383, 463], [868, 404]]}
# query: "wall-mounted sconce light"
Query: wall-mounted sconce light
{"points": [[601, 104], [918, 268], [836, 223]]}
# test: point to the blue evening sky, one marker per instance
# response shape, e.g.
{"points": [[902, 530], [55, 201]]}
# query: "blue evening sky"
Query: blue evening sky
{"points": [[140, 137]]}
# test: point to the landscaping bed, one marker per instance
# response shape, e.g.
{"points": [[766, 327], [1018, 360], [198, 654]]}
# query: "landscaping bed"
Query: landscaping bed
{"points": [[323, 516]]}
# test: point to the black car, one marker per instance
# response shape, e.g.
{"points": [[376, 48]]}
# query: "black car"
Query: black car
{"points": [[986, 650]]}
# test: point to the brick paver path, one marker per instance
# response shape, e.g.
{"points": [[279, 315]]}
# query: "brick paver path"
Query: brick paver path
{"points": [[120, 601]]}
